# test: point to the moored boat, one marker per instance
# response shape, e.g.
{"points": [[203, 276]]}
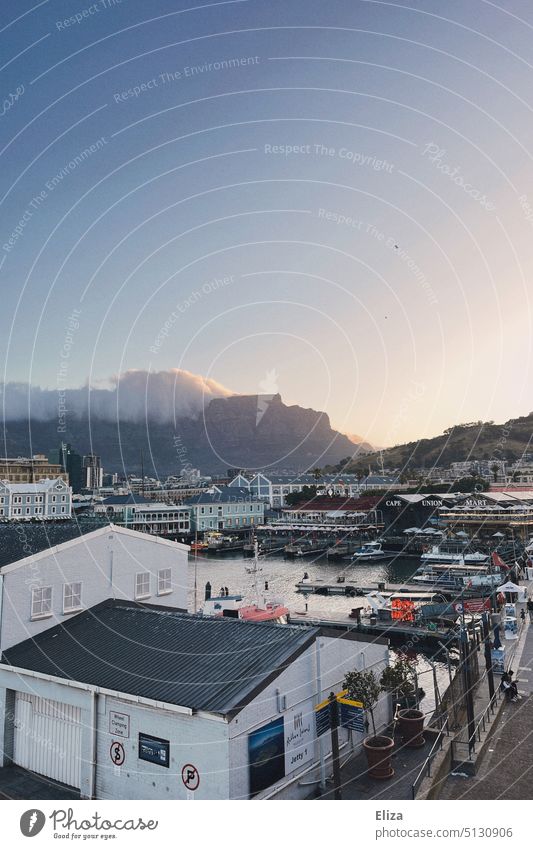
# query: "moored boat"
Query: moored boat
{"points": [[369, 552]]}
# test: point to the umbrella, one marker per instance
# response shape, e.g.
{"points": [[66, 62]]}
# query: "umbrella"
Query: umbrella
{"points": [[498, 534], [461, 534], [411, 530]]}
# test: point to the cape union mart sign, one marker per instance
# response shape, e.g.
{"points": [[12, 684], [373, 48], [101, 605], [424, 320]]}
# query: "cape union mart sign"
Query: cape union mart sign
{"points": [[64, 819]]}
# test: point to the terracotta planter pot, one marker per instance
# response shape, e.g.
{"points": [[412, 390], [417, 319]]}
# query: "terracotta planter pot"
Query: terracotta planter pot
{"points": [[378, 754], [411, 724]]}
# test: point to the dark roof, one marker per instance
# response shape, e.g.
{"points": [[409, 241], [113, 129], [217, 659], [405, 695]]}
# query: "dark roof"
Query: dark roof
{"points": [[228, 495], [335, 502], [22, 539], [213, 664], [127, 499]]}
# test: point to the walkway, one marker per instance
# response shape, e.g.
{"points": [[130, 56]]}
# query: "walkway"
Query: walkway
{"points": [[506, 771]]}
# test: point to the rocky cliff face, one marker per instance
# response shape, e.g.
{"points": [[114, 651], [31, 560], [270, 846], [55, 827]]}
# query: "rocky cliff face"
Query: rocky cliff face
{"points": [[243, 430]]}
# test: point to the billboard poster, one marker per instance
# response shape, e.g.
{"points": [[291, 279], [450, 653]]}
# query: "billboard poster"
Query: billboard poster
{"points": [[266, 755], [299, 739], [498, 661]]}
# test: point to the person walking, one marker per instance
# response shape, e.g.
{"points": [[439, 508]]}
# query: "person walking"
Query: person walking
{"points": [[530, 608]]}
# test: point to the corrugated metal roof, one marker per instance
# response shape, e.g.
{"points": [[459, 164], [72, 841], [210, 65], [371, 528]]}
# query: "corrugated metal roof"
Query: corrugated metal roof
{"points": [[162, 654], [227, 495], [18, 540]]}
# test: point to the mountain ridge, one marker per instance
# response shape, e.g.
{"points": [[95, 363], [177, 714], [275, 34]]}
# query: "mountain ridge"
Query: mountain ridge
{"points": [[247, 431]]}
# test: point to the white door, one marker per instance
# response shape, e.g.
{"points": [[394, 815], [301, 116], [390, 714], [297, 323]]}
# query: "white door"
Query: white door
{"points": [[48, 738]]}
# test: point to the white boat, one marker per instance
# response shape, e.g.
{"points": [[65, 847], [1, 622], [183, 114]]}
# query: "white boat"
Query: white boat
{"points": [[368, 552], [453, 575], [437, 555]]}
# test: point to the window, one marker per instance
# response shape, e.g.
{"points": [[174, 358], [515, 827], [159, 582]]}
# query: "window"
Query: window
{"points": [[63, 509], [142, 585], [41, 602], [164, 582], [28, 511], [71, 597]]}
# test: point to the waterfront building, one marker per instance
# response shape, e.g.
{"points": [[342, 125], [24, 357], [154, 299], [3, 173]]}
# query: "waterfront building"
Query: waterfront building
{"points": [[47, 499], [335, 512], [30, 469], [176, 706], [140, 513], [486, 513], [274, 489], [226, 509]]}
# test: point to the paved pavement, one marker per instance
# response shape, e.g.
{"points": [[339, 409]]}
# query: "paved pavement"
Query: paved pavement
{"points": [[506, 770], [406, 762], [18, 783]]}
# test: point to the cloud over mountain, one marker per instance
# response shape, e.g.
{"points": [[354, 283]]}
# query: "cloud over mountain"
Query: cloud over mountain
{"points": [[134, 396]]}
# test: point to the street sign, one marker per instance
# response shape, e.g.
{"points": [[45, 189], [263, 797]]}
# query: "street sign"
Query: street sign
{"points": [[190, 777], [323, 712], [322, 718], [352, 714], [119, 724], [117, 753]]}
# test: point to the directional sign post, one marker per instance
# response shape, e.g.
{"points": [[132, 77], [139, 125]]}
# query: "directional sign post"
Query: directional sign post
{"points": [[352, 714], [329, 714]]}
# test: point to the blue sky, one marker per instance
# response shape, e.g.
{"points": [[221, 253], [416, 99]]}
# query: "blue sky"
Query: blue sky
{"points": [[344, 214]]}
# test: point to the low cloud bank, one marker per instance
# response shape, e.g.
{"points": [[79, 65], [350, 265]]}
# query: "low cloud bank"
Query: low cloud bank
{"points": [[134, 396]]}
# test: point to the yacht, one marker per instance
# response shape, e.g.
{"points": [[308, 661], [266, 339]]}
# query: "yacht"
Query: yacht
{"points": [[437, 554], [455, 576], [369, 551]]}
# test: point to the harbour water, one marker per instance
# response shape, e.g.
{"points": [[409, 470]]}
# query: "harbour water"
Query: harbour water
{"points": [[229, 570]]}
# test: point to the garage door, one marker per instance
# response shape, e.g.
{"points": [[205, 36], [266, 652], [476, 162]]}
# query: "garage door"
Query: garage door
{"points": [[48, 738]]}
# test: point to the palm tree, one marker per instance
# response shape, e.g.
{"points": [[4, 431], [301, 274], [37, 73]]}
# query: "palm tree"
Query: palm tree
{"points": [[317, 473]]}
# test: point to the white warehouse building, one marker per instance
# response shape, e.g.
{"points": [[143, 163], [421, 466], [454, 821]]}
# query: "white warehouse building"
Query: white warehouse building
{"points": [[178, 706], [45, 586]]}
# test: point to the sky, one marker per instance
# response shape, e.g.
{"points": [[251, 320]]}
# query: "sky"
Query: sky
{"points": [[333, 201]]}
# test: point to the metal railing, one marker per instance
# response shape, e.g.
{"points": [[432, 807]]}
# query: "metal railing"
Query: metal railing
{"points": [[481, 726], [425, 772]]}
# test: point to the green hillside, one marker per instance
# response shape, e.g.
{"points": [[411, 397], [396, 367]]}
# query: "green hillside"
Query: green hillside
{"points": [[469, 441]]}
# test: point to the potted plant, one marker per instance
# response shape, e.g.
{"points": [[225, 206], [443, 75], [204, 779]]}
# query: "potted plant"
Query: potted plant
{"points": [[400, 680], [364, 687]]}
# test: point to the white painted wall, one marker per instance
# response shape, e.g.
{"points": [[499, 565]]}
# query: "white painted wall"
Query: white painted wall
{"points": [[297, 685], [105, 561], [195, 740]]}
